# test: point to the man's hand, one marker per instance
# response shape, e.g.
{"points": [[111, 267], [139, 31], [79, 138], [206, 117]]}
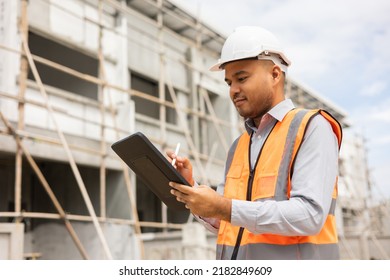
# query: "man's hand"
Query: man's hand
{"points": [[183, 166], [203, 201]]}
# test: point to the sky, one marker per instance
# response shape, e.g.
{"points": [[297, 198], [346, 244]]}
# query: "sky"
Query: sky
{"points": [[338, 48]]}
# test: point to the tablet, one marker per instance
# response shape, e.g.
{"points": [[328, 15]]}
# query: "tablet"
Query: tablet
{"points": [[150, 166]]}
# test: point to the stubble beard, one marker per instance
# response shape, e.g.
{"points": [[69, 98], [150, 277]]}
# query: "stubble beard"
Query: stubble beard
{"points": [[262, 109]]}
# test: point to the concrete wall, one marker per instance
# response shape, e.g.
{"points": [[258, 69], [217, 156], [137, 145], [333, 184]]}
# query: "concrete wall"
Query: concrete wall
{"points": [[53, 242], [193, 243], [364, 247]]}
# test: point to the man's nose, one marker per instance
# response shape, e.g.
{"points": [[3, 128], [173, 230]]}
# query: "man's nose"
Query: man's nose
{"points": [[234, 89]]}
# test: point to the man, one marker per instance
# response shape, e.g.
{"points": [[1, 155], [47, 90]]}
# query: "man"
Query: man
{"points": [[278, 198]]}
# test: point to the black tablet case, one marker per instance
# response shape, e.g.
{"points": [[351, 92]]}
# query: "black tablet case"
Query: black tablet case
{"points": [[150, 166]]}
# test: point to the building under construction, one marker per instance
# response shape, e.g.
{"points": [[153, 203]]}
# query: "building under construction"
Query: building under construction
{"points": [[76, 76]]}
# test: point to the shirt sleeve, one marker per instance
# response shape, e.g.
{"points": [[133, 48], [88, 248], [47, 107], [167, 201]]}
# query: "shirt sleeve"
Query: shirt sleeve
{"points": [[314, 176]]}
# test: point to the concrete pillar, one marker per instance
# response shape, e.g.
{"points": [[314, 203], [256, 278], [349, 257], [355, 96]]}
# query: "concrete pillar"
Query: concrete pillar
{"points": [[364, 247], [194, 242]]}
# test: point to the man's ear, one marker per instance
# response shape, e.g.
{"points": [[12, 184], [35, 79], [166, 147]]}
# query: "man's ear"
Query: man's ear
{"points": [[276, 73]]}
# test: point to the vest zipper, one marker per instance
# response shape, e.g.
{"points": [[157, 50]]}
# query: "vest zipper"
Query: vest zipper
{"points": [[249, 189]]}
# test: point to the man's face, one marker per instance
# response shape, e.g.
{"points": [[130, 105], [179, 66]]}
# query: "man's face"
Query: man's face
{"points": [[251, 91]]}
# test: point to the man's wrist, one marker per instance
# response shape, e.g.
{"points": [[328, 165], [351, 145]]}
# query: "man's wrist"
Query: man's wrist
{"points": [[225, 209]]}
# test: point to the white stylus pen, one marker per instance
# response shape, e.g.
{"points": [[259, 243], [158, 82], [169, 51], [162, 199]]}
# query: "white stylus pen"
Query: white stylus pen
{"points": [[176, 153]]}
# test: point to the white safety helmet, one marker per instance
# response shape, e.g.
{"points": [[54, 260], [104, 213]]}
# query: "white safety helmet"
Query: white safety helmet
{"points": [[250, 42]]}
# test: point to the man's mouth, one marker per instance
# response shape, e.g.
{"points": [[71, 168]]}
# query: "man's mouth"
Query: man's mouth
{"points": [[239, 100]]}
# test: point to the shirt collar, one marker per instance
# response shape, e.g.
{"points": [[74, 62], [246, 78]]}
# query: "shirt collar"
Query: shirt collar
{"points": [[278, 112]]}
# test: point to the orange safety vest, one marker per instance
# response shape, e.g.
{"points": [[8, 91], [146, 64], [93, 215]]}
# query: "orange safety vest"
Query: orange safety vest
{"points": [[271, 179]]}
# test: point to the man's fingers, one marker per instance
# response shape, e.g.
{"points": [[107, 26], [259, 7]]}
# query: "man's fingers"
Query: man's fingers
{"points": [[181, 188], [181, 192], [179, 195], [171, 155]]}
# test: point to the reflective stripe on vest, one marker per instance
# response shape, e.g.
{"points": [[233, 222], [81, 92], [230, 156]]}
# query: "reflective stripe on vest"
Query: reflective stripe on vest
{"points": [[271, 179]]}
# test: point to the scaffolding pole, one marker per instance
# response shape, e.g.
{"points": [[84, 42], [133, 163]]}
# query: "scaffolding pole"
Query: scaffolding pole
{"points": [[46, 186], [23, 29], [67, 150]]}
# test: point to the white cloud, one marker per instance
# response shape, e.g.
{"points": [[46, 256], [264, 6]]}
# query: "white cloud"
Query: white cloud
{"points": [[384, 140], [373, 118], [379, 55], [379, 113], [383, 116], [374, 89]]}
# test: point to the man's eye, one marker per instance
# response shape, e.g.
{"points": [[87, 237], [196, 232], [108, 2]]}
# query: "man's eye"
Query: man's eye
{"points": [[241, 79]]}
